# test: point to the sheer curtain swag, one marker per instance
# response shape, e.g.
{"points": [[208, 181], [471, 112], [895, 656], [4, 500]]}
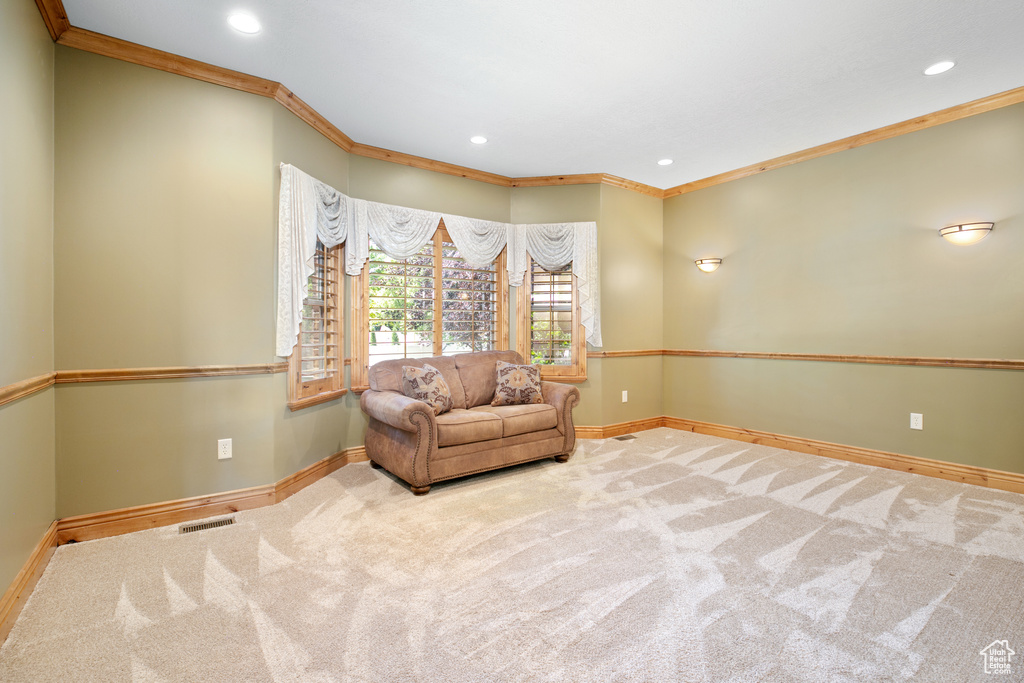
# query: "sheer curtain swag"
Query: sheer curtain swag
{"points": [[311, 210]]}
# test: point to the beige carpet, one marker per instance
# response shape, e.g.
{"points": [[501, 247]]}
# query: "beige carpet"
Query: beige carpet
{"points": [[672, 557]]}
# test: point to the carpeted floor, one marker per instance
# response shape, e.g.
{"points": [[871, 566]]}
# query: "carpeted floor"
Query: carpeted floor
{"points": [[671, 557]]}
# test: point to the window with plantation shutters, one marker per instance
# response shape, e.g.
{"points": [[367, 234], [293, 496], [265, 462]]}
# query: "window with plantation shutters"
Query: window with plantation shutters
{"points": [[549, 332], [469, 303], [315, 368], [430, 304]]}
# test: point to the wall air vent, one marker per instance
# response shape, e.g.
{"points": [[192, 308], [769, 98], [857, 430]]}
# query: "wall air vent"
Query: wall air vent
{"points": [[202, 526]]}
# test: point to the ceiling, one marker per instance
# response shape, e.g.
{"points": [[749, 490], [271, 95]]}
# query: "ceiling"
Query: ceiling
{"points": [[598, 86]]}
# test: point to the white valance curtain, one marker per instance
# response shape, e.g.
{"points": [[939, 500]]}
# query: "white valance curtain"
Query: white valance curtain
{"points": [[310, 209]]}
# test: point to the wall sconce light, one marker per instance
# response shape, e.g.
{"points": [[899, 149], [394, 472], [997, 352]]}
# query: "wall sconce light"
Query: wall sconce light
{"points": [[708, 264], [968, 233]]}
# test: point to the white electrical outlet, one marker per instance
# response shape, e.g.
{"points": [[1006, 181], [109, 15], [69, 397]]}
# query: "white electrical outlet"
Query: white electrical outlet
{"points": [[625, 396], [916, 421], [223, 449]]}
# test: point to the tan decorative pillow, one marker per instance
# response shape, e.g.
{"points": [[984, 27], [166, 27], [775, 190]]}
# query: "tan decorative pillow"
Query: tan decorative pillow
{"points": [[517, 384], [426, 384]]}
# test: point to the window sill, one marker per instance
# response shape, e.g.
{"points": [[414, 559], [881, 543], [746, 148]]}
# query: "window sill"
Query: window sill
{"points": [[565, 379], [301, 403]]}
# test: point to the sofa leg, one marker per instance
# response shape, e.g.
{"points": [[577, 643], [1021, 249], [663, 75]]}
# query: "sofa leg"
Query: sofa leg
{"points": [[564, 457], [375, 465], [419, 490]]}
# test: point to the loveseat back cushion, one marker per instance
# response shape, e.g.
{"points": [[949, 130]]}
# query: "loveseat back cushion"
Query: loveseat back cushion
{"points": [[386, 375], [478, 372], [465, 426]]}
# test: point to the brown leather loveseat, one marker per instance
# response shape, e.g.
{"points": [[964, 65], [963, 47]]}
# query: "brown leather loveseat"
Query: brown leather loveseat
{"points": [[408, 440]]}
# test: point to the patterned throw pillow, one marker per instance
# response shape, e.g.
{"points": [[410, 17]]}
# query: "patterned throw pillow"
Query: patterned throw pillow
{"points": [[426, 384], [517, 384]]}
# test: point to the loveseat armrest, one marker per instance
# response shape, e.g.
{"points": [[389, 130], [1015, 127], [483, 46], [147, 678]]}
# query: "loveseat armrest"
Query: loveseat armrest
{"points": [[396, 409], [564, 398]]}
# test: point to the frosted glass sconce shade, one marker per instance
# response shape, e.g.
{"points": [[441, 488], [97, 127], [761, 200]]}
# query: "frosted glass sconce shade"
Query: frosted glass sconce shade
{"points": [[968, 233], [708, 264]]}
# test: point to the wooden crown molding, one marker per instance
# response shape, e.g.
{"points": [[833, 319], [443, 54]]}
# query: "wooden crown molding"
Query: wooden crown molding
{"points": [[27, 387], [588, 179], [922, 361], [292, 103], [64, 33], [54, 16], [134, 53], [960, 111], [370, 152]]}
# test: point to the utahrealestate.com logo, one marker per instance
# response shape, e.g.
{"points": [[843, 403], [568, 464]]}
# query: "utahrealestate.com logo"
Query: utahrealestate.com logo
{"points": [[997, 657]]}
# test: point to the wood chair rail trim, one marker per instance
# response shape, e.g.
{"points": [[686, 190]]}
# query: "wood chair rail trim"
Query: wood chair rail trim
{"points": [[923, 361], [27, 387]]}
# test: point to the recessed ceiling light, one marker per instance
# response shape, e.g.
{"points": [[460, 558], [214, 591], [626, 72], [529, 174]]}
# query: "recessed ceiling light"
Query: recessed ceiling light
{"points": [[664, 162], [478, 139], [939, 68], [244, 23]]}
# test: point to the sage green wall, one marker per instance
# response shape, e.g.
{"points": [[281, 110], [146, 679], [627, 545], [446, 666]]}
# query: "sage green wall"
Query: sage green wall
{"points": [[166, 238], [384, 181], [841, 255], [631, 241], [27, 451], [26, 282]]}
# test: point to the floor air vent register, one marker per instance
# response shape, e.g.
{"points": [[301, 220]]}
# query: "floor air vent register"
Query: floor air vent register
{"points": [[203, 526], [625, 437]]}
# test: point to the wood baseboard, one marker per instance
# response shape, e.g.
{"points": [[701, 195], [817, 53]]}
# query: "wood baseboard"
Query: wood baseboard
{"points": [[294, 483], [967, 474], [95, 525], [17, 594], [141, 517], [620, 428]]}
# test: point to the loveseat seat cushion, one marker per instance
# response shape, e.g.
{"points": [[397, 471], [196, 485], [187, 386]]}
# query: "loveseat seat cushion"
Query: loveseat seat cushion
{"points": [[386, 375], [466, 426], [479, 374], [521, 419]]}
